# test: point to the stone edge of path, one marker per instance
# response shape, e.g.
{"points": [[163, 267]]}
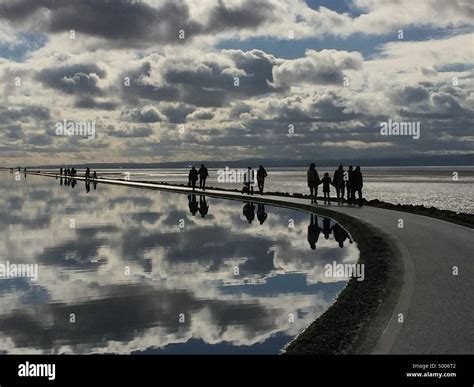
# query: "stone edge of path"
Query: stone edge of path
{"points": [[355, 322]]}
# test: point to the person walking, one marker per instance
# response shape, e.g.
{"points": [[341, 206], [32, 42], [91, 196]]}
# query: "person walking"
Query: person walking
{"points": [[338, 182], [326, 180], [261, 175], [249, 180], [349, 184], [203, 175], [313, 181], [357, 185], [192, 178]]}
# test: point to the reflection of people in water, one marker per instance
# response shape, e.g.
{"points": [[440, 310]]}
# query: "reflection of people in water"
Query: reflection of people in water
{"points": [[261, 214], [203, 206], [340, 235], [313, 232], [249, 211], [327, 228], [88, 186], [193, 204]]}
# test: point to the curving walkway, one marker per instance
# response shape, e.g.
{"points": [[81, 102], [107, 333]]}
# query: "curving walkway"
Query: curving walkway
{"points": [[436, 306]]}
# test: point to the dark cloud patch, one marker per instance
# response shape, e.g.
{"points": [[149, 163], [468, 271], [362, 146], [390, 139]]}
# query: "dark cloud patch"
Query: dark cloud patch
{"points": [[39, 139], [137, 84], [238, 109], [258, 67], [250, 14], [137, 132], [407, 95], [91, 103], [203, 115], [73, 79], [317, 67], [147, 114], [123, 22], [14, 132], [23, 113], [129, 23], [177, 113]]}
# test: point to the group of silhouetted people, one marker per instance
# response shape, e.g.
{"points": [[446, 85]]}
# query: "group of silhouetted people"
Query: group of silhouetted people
{"points": [[69, 175], [194, 174], [349, 182], [72, 172]]}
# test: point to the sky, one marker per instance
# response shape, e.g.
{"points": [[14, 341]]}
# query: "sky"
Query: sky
{"points": [[158, 81]]}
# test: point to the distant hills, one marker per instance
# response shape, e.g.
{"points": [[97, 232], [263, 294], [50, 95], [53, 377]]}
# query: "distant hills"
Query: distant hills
{"points": [[445, 160]]}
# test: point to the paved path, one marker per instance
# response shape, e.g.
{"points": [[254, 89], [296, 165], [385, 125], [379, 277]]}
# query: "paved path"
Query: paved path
{"points": [[437, 306]]}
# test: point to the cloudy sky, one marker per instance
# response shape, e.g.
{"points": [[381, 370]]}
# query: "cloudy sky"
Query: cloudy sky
{"points": [[233, 79]]}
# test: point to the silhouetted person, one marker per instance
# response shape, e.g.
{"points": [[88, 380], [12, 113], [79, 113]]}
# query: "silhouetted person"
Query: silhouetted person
{"points": [[349, 182], [192, 177], [357, 185], [88, 173], [203, 206], [193, 204], [313, 181], [340, 235], [261, 214], [261, 175], [94, 175], [326, 180], [249, 211], [203, 175], [339, 183], [326, 229], [313, 232], [60, 171], [249, 181]]}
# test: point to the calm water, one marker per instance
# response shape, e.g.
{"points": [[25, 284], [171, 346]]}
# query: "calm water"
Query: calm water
{"points": [[139, 273], [430, 186]]}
